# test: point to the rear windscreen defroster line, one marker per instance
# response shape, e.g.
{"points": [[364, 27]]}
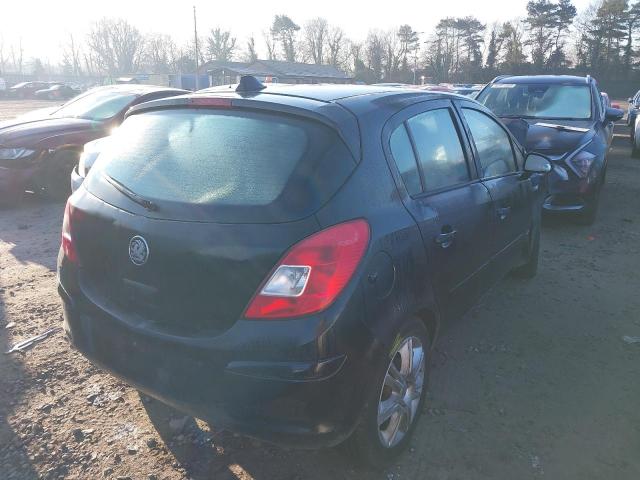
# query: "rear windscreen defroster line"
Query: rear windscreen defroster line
{"points": [[224, 166]]}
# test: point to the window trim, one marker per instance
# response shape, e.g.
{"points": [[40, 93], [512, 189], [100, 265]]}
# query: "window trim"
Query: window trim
{"points": [[401, 117]]}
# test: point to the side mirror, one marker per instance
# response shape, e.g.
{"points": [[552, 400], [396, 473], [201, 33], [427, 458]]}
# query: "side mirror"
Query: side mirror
{"points": [[536, 163], [613, 114]]}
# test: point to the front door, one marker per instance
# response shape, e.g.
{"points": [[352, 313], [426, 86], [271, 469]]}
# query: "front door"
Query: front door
{"points": [[510, 190]]}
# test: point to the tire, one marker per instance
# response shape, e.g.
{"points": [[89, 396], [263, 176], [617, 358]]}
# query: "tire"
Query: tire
{"points": [[588, 215], [530, 269], [635, 151], [56, 183], [366, 442]]}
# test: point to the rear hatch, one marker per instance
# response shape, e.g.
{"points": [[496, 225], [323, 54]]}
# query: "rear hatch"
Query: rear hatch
{"points": [[216, 195]]}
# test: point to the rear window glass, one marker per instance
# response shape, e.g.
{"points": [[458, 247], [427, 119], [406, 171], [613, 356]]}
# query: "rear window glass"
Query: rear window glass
{"points": [[227, 160]]}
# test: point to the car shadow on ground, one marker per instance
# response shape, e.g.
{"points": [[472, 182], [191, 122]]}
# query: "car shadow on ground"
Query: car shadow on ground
{"points": [[20, 218], [204, 452], [14, 458]]}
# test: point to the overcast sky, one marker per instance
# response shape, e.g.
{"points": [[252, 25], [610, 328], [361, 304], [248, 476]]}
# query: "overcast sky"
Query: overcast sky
{"points": [[44, 24]]}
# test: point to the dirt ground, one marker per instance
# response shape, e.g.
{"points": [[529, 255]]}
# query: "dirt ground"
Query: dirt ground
{"points": [[536, 382]]}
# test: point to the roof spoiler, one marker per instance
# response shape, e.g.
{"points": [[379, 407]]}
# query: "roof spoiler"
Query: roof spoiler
{"points": [[499, 77]]}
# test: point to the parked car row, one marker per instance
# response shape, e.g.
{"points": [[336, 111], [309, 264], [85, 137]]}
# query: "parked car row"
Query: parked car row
{"points": [[568, 120], [41, 90], [38, 152], [281, 260]]}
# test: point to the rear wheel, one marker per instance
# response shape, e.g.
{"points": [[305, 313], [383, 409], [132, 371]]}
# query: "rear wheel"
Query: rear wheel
{"points": [[57, 183], [396, 401]]}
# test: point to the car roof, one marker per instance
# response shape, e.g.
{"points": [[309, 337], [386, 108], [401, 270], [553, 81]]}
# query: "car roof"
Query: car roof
{"points": [[545, 80], [319, 92], [136, 89], [338, 106]]}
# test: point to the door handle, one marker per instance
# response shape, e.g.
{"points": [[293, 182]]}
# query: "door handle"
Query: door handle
{"points": [[445, 240], [503, 213]]}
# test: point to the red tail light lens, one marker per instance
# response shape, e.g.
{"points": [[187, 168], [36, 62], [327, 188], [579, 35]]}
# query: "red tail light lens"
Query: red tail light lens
{"points": [[313, 273], [68, 246]]}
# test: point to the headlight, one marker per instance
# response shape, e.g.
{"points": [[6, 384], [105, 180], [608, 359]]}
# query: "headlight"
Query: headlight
{"points": [[14, 153], [580, 161], [86, 161]]}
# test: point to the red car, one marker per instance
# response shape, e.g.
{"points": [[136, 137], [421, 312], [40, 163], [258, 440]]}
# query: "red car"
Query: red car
{"points": [[38, 153]]}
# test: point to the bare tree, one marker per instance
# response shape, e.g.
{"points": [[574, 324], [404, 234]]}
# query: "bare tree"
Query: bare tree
{"points": [[117, 46], [315, 35], [221, 45], [161, 53], [270, 43], [3, 59], [337, 45], [17, 57], [374, 54], [250, 54], [392, 56], [72, 57]]}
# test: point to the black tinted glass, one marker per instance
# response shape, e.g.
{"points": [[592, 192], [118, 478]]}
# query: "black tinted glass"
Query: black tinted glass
{"points": [[439, 149], [492, 143], [404, 157]]}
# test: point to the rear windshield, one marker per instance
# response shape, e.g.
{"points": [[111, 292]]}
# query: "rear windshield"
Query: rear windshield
{"points": [[233, 166]]}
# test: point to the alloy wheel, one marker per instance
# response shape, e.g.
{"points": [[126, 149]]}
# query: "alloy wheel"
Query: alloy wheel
{"points": [[401, 392]]}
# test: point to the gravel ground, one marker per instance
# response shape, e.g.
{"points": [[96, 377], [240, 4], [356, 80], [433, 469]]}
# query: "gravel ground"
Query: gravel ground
{"points": [[14, 108], [536, 382]]}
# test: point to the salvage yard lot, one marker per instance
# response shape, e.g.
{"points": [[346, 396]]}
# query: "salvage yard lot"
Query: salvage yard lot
{"points": [[536, 382]]}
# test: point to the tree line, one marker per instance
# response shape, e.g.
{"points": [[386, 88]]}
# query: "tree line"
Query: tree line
{"points": [[550, 37]]}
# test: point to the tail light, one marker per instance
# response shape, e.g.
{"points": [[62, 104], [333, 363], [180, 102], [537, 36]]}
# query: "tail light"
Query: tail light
{"points": [[68, 246], [313, 273]]}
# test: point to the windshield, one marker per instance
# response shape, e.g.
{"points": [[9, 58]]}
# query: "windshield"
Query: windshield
{"points": [[97, 105], [559, 102]]}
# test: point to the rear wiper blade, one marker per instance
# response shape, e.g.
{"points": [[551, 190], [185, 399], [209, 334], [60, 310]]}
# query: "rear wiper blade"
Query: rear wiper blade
{"points": [[123, 189]]}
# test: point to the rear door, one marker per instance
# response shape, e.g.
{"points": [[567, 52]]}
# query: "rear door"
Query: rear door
{"points": [[451, 206], [500, 165]]}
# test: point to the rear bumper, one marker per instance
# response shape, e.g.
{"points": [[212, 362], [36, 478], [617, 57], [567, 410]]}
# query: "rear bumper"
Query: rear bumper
{"points": [[310, 403]]}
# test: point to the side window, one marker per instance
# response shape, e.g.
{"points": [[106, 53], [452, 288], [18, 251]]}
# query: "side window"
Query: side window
{"points": [[492, 143], [405, 159], [439, 150]]}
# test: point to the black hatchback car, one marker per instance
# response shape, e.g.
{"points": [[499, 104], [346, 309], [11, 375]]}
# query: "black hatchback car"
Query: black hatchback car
{"points": [[566, 119], [280, 261]]}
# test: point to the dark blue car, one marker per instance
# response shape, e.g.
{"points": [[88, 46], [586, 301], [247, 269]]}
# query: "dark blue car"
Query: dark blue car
{"points": [[280, 260], [565, 119]]}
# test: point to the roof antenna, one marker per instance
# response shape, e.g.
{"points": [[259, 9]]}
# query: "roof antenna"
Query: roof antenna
{"points": [[249, 83]]}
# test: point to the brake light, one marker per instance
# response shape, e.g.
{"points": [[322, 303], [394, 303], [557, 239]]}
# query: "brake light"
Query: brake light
{"points": [[313, 273], [68, 246], [212, 102]]}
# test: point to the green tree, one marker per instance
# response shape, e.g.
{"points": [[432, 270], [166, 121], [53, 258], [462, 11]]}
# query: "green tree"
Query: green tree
{"points": [[283, 31], [547, 24]]}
